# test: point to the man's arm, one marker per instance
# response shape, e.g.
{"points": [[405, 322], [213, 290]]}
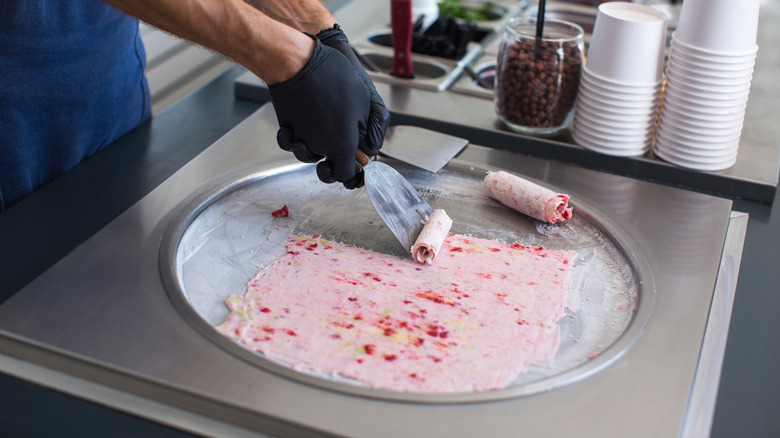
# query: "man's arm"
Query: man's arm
{"points": [[309, 16], [325, 102], [272, 50]]}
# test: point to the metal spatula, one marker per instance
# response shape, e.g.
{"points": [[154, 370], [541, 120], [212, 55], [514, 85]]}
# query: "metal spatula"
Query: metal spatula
{"points": [[397, 202]]}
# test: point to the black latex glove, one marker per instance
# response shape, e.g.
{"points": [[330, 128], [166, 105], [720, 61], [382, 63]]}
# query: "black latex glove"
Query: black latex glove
{"points": [[379, 118], [323, 112]]}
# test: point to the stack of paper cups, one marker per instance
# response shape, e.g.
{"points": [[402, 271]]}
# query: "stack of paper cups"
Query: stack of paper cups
{"points": [[708, 79], [620, 87]]}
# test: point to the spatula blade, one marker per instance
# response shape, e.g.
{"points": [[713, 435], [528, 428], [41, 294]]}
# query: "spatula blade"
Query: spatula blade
{"points": [[397, 202]]}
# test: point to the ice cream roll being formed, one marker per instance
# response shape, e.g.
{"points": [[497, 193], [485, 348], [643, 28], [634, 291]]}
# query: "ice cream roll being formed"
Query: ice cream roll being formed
{"points": [[526, 197], [431, 237]]}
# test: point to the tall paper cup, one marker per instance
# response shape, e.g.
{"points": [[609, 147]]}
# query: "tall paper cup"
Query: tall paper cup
{"points": [[723, 26], [628, 43], [588, 76], [709, 56]]}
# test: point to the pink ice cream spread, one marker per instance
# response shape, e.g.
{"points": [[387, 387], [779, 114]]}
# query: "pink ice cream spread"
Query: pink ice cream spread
{"points": [[473, 321], [431, 237], [526, 197]]}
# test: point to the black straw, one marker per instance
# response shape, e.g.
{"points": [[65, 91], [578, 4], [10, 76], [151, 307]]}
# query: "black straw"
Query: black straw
{"points": [[539, 27]]}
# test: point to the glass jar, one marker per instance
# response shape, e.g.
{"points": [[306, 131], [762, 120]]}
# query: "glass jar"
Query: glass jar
{"points": [[537, 82]]}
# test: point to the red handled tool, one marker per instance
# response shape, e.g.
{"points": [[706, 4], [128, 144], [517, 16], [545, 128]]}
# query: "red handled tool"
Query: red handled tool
{"points": [[401, 21]]}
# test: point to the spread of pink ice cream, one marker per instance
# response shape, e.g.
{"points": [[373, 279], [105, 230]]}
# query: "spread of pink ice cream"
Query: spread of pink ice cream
{"points": [[474, 321], [526, 197], [431, 237]]}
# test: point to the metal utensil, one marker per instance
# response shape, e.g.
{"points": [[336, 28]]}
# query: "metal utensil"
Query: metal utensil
{"points": [[426, 149], [397, 202]]}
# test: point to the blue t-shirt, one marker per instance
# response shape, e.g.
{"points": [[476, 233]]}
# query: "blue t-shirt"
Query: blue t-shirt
{"points": [[71, 82]]}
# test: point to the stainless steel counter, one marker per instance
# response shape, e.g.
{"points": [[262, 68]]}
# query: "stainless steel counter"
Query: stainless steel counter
{"points": [[99, 323]]}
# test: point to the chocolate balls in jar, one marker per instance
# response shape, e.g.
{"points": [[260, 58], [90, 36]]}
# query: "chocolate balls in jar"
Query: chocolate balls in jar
{"points": [[537, 81]]}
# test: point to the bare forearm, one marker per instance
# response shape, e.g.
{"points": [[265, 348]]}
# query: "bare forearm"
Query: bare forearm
{"points": [[305, 15], [267, 47]]}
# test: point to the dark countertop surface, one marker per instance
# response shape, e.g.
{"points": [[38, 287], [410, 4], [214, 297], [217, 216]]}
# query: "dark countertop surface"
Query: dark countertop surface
{"points": [[43, 228]]}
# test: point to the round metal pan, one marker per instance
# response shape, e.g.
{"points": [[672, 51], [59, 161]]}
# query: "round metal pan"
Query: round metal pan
{"points": [[222, 237]]}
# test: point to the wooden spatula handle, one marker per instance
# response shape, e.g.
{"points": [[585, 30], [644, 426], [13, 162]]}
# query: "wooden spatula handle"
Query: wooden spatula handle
{"points": [[362, 158]]}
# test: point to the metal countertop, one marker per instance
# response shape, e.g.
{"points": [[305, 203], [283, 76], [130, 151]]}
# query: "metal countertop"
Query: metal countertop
{"points": [[45, 227], [101, 320], [48, 225]]}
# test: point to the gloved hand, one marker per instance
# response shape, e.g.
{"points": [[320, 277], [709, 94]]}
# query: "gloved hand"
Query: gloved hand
{"points": [[379, 119], [323, 112]]}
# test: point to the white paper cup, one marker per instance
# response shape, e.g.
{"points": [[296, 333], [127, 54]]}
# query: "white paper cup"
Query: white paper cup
{"points": [[699, 140], [734, 69], [705, 121], [615, 138], [704, 158], [699, 130], [735, 109], [704, 103], [711, 94], [711, 55], [696, 164], [615, 120], [625, 150], [628, 43], [728, 119], [714, 71], [620, 101], [702, 85], [615, 133], [615, 123], [599, 106], [699, 135], [664, 146], [676, 74], [622, 124], [595, 79], [696, 154], [683, 153], [712, 154], [722, 159], [724, 26], [714, 62], [708, 165], [619, 94]]}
